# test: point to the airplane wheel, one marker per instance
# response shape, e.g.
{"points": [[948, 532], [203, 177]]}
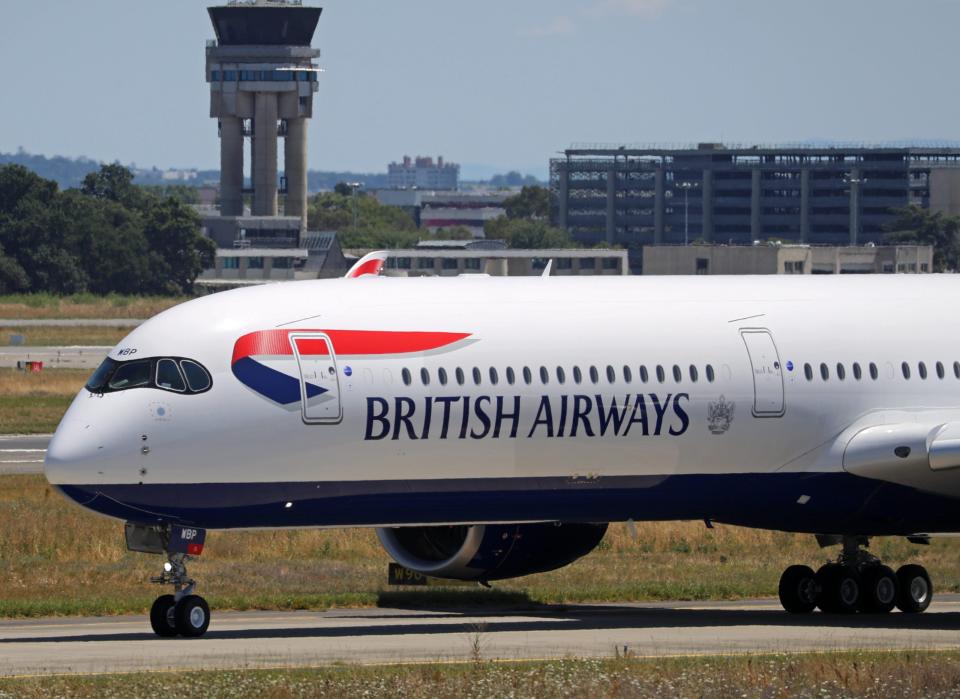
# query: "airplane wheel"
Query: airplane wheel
{"points": [[916, 590], [162, 617], [798, 590], [840, 589], [880, 589], [192, 616]]}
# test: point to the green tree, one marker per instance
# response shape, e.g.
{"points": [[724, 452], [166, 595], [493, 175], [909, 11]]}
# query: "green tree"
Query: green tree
{"points": [[914, 224], [343, 189], [361, 221], [178, 252], [113, 182], [453, 233], [527, 233], [13, 278], [531, 202]]}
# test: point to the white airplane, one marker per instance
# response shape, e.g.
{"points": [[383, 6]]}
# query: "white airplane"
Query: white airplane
{"points": [[492, 427]]}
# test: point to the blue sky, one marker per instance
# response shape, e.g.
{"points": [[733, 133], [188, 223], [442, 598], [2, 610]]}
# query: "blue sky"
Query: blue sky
{"points": [[500, 84]]}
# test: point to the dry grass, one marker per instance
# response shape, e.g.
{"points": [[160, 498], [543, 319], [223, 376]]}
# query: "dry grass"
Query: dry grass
{"points": [[50, 336], [35, 403], [56, 558], [49, 382], [27, 306], [848, 674]]}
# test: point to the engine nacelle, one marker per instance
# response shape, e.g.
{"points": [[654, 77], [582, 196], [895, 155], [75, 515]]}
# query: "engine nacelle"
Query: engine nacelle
{"points": [[490, 551]]}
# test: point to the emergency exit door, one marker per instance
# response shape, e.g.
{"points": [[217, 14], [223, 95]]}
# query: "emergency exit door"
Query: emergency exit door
{"points": [[319, 382], [768, 398]]}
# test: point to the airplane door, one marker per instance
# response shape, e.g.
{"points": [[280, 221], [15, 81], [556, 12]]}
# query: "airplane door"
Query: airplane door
{"points": [[319, 382], [768, 398]]}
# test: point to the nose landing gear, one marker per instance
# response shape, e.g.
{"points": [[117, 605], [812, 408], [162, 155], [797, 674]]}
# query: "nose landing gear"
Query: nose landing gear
{"points": [[856, 582], [183, 613]]}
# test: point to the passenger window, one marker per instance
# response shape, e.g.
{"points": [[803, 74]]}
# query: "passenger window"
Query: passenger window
{"points": [[627, 374], [527, 375], [874, 372], [511, 377], [168, 376], [561, 375], [442, 376], [824, 371], [197, 377], [710, 375], [644, 376], [594, 375], [956, 369], [460, 376], [611, 375], [940, 370], [694, 374], [131, 375], [906, 370], [661, 374], [677, 374], [808, 371], [922, 370], [577, 376], [494, 378], [405, 375], [476, 376], [425, 376], [841, 372], [544, 375], [857, 373]]}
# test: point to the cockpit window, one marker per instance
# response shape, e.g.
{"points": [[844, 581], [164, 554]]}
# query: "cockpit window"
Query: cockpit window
{"points": [[197, 377], [168, 376], [131, 375], [101, 375], [166, 373]]}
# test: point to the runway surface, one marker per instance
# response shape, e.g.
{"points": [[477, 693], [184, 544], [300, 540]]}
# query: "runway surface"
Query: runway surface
{"points": [[23, 453], [54, 357], [280, 639]]}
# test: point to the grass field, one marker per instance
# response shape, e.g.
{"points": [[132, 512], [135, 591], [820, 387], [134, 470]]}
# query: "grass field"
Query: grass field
{"points": [[56, 558], [876, 675], [51, 336], [39, 306], [34, 403]]}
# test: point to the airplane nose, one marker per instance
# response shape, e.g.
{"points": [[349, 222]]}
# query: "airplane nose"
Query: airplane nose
{"points": [[73, 452]]}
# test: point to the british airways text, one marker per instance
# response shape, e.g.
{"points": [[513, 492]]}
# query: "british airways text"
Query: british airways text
{"points": [[512, 417]]}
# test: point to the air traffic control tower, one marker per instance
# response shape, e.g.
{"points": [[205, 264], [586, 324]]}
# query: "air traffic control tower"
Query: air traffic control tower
{"points": [[262, 81]]}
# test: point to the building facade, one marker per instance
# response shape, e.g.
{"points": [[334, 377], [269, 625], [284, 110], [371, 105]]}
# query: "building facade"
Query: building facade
{"points": [[787, 259], [451, 258], [423, 173], [713, 193]]}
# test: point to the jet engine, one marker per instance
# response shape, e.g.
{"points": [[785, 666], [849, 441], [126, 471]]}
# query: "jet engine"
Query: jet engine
{"points": [[490, 551]]}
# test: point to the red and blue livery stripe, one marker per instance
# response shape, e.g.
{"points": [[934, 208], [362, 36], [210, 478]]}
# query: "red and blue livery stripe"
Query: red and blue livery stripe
{"points": [[252, 351]]}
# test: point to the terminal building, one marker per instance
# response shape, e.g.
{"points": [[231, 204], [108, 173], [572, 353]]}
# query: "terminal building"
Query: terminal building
{"points": [[451, 258], [787, 259], [636, 196]]}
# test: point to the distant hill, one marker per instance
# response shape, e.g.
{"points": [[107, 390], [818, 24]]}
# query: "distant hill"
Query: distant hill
{"points": [[69, 172]]}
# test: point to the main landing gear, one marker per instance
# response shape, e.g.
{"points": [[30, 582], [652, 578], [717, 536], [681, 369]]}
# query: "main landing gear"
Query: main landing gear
{"points": [[182, 613], [856, 582]]}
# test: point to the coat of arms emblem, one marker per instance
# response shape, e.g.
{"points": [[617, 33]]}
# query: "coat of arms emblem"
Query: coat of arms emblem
{"points": [[720, 415]]}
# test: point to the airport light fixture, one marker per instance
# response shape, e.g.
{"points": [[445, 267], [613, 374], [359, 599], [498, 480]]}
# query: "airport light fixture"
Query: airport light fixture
{"points": [[686, 187], [854, 181]]}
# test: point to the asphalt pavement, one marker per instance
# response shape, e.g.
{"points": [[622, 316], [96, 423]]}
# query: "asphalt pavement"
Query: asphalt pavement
{"points": [[23, 453], [371, 636]]}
